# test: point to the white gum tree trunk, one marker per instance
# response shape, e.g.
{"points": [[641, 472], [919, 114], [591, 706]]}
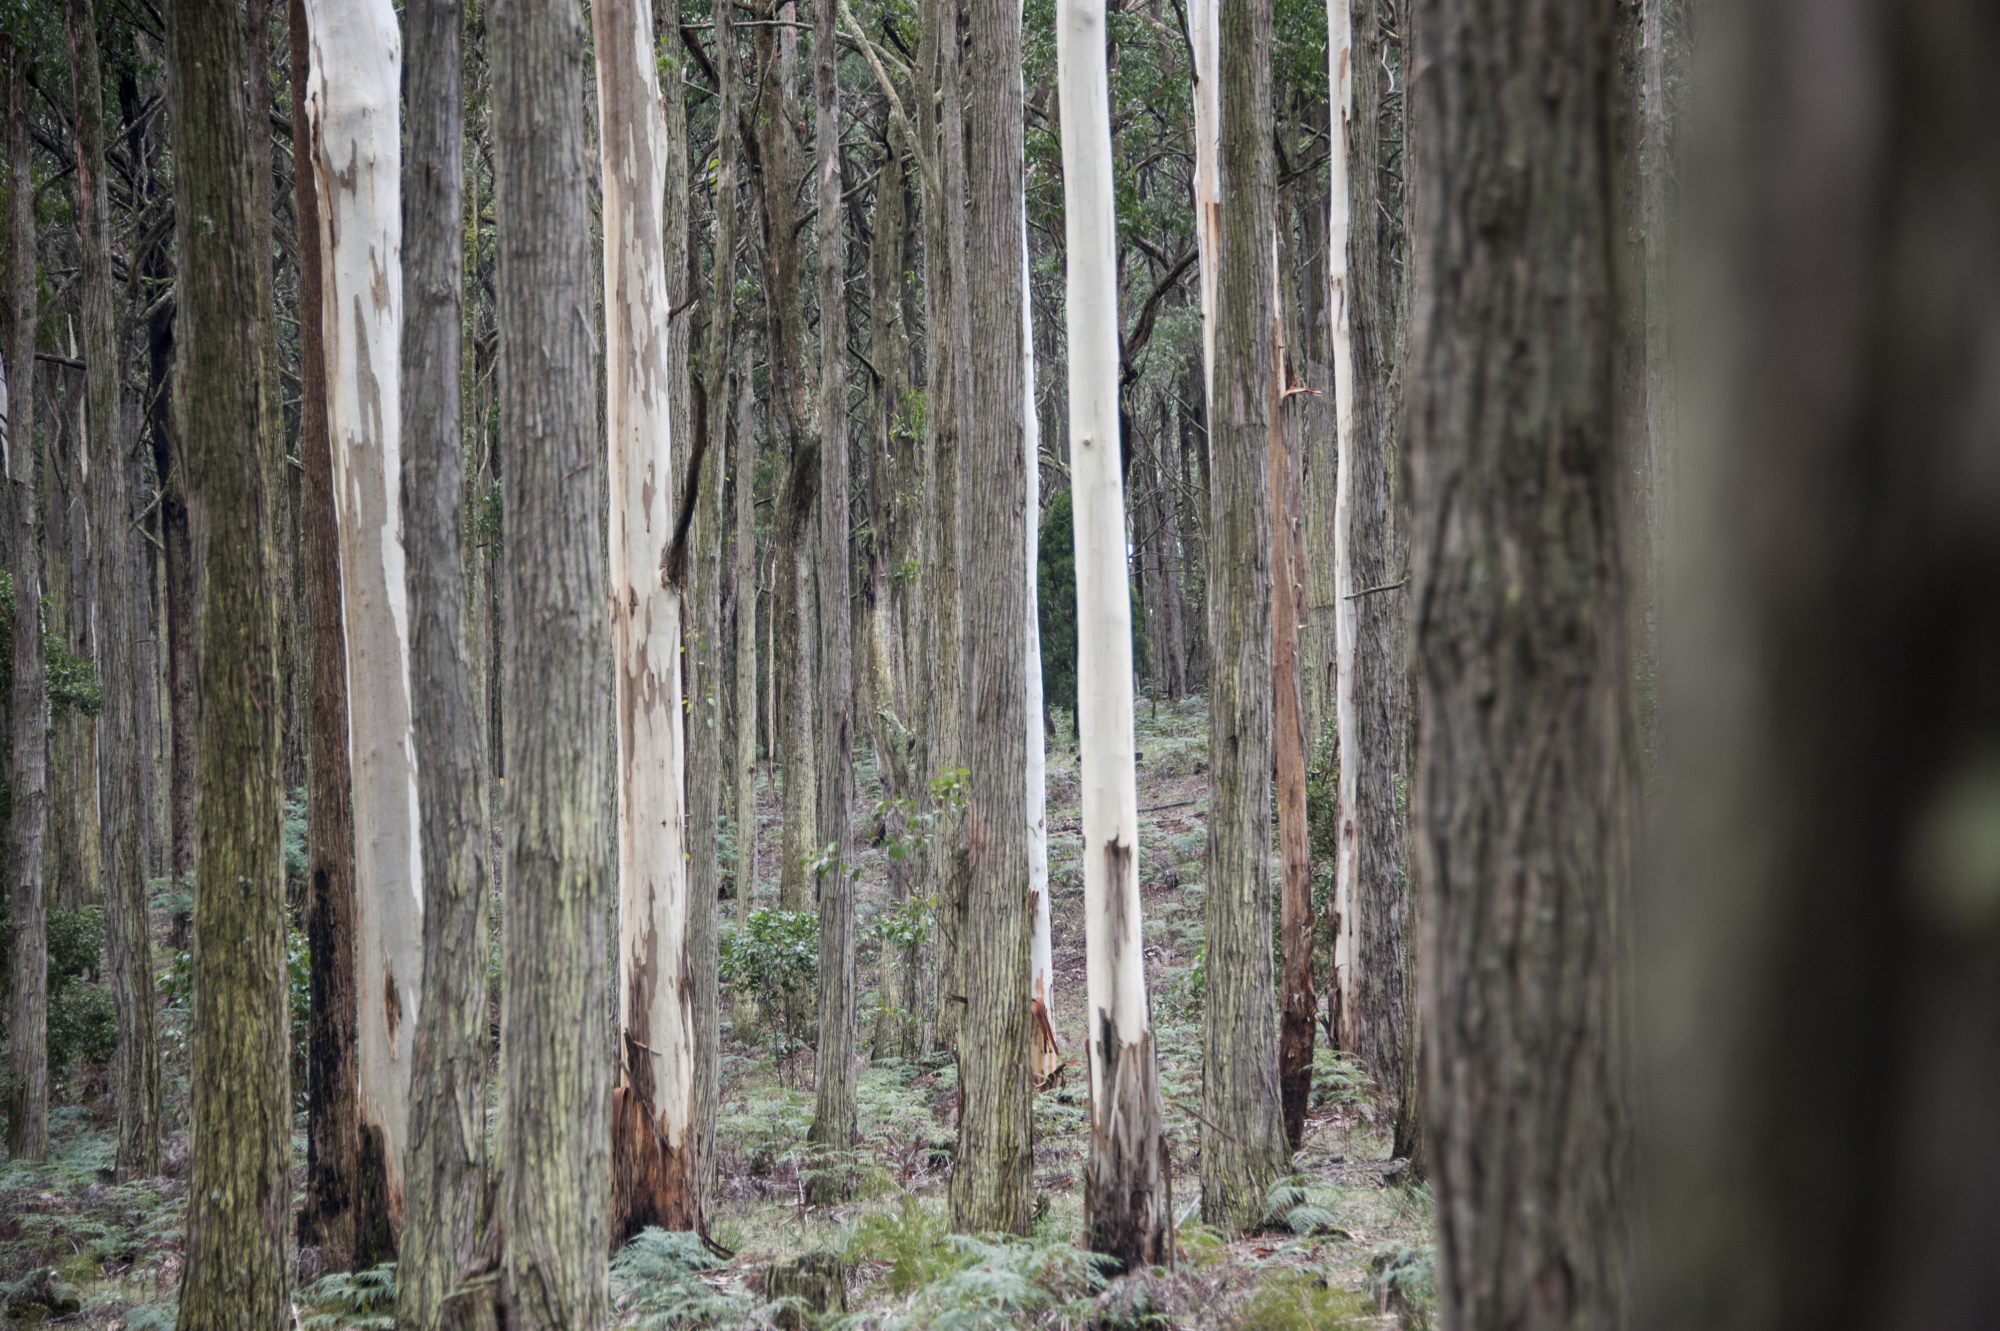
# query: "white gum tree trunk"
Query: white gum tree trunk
{"points": [[1205, 20], [1125, 1204], [1047, 1053], [352, 92], [1347, 860], [655, 1177]]}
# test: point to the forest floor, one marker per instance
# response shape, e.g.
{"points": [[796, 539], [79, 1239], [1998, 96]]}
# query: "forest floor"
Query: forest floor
{"points": [[1345, 1246]]}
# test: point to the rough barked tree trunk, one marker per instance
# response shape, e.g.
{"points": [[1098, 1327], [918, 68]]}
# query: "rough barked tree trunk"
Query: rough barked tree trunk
{"points": [[1832, 686], [1369, 557], [947, 357], [28, 1014], [1243, 1146], [555, 1106], [238, 1182], [326, 1218], [445, 1183], [992, 1174], [697, 407], [351, 100], [136, 1069], [654, 1171], [1525, 762], [743, 477], [795, 625], [1296, 1006], [1125, 1186], [833, 1103]]}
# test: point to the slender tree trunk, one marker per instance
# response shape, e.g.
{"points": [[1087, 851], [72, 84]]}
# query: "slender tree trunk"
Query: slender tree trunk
{"points": [[352, 102], [948, 351], [1296, 1005], [704, 407], [796, 626], [743, 469], [28, 1015], [992, 1177], [238, 1182], [445, 1192], [1244, 1148], [655, 1160], [327, 1217], [833, 1107], [1125, 1187], [136, 1070], [1526, 760], [555, 1096], [1370, 568], [1045, 1055], [1830, 692]]}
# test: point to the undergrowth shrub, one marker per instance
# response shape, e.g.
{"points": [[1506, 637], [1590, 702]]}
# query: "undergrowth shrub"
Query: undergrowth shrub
{"points": [[773, 959], [1303, 1301], [658, 1277], [351, 1301]]}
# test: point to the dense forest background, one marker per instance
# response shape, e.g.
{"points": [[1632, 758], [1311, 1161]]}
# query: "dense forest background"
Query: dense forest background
{"points": [[1212, 663]]}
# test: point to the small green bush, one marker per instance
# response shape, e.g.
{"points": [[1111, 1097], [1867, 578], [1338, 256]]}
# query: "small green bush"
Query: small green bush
{"points": [[774, 959]]}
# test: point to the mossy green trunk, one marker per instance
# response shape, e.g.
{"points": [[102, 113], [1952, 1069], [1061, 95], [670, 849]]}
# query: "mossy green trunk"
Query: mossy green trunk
{"points": [[238, 1186]]}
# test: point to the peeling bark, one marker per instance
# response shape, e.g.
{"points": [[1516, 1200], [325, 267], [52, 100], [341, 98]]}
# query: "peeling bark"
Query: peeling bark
{"points": [[1125, 1184], [655, 1169], [351, 100]]}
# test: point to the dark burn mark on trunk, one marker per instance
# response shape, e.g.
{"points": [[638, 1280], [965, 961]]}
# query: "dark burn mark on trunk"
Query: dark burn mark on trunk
{"points": [[1118, 869], [1125, 1199], [392, 1003]]}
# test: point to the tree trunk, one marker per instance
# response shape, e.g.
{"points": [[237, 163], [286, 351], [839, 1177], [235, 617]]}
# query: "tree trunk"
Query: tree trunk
{"points": [[992, 1176], [1370, 558], [555, 1103], [445, 1191], [1525, 763], [351, 100], [1125, 1185], [28, 1015], [1045, 1055], [833, 1106], [136, 1070], [1243, 1149], [327, 1217], [238, 1181], [796, 627], [705, 407], [948, 352], [1831, 687], [1296, 1006], [655, 1161], [743, 470]]}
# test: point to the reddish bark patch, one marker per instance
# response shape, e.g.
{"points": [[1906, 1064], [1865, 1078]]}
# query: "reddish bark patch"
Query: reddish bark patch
{"points": [[652, 1181]]}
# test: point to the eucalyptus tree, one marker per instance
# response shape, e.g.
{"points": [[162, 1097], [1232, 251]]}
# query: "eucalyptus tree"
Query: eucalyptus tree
{"points": [[327, 1215], [1243, 1148], [833, 1104], [656, 1176], [992, 1179], [239, 1184], [1525, 764], [555, 1110], [352, 105], [28, 1014], [107, 468], [1125, 1188], [445, 1181], [1831, 726]]}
